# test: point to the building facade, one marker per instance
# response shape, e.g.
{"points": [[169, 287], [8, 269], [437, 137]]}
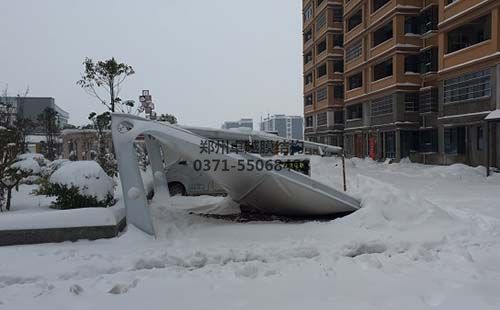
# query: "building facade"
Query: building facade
{"points": [[323, 45], [31, 108], [420, 77], [289, 127], [244, 122]]}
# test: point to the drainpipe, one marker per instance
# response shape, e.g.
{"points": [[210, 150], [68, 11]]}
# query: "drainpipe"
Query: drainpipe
{"points": [[488, 159]]}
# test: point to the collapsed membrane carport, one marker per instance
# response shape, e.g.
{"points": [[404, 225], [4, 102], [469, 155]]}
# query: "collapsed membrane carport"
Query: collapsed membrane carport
{"points": [[284, 192]]}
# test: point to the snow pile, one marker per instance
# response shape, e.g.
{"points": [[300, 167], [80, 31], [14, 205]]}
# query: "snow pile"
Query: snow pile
{"points": [[88, 176], [27, 165], [51, 218], [35, 156]]}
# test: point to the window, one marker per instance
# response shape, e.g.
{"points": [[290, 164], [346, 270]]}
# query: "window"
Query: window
{"points": [[428, 100], [355, 111], [480, 138], [338, 66], [308, 57], [454, 140], [338, 91], [381, 106], [377, 4], [338, 13], [338, 117], [353, 51], [428, 141], [321, 21], [429, 19], [321, 70], [321, 47], [382, 34], [468, 86], [308, 100], [471, 33], [321, 119], [355, 81], [308, 35], [412, 63], [308, 79], [338, 40], [412, 24], [321, 94], [354, 20], [411, 102], [308, 13], [429, 60], [309, 121], [382, 70]]}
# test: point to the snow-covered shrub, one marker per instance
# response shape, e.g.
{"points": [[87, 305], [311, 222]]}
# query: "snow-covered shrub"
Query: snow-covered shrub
{"points": [[47, 171], [81, 184]]}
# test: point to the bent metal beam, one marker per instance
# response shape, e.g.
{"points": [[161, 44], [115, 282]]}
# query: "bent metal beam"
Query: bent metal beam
{"points": [[284, 192]]}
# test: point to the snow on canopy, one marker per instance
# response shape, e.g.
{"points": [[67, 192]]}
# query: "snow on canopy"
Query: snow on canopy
{"points": [[87, 175], [27, 165]]}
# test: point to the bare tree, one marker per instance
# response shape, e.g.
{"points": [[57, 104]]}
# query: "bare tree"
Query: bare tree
{"points": [[104, 79]]}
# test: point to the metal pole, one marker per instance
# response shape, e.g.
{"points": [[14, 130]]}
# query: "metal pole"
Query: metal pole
{"points": [[488, 149], [343, 171]]}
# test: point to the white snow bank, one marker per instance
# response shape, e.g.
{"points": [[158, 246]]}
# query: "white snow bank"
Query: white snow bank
{"points": [[28, 165], [31, 156], [88, 176], [62, 218]]}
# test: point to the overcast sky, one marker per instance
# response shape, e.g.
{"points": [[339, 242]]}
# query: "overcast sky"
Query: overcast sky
{"points": [[205, 61]]}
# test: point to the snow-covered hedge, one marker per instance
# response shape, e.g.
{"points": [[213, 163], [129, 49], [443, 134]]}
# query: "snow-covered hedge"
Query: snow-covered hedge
{"points": [[81, 184]]}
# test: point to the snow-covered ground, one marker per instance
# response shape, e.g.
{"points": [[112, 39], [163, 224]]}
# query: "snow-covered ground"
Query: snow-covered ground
{"points": [[427, 237]]}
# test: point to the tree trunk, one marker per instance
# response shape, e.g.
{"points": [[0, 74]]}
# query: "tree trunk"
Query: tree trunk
{"points": [[9, 196], [112, 93]]}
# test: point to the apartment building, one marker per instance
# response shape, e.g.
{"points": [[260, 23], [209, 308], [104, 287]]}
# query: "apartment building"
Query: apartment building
{"points": [[420, 77], [468, 81], [382, 77], [286, 126], [323, 42]]}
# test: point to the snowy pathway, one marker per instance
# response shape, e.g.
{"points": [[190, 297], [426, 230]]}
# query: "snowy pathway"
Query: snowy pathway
{"points": [[426, 238]]}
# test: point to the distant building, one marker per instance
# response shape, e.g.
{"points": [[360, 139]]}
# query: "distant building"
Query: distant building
{"points": [[290, 127], [244, 122], [8, 111], [31, 107], [83, 143]]}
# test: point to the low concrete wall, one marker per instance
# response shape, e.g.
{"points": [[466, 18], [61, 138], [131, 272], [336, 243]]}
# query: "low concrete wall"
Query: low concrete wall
{"points": [[50, 235]]}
